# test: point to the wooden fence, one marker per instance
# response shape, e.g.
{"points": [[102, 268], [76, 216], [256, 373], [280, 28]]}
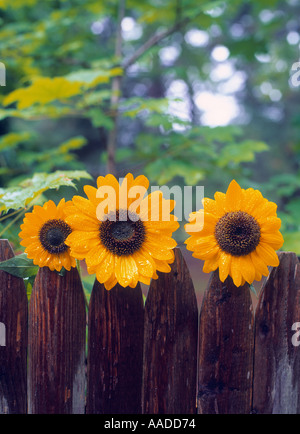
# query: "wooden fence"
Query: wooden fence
{"points": [[159, 358]]}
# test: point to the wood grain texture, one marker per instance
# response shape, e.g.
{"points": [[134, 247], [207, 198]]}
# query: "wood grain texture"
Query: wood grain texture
{"points": [[13, 356], [226, 340], [115, 357], [57, 331], [277, 360], [171, 331]]}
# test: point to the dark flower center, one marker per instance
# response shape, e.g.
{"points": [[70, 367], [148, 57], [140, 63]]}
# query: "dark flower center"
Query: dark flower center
{"points": [[237, 233], [124, 234], [53, 235]]}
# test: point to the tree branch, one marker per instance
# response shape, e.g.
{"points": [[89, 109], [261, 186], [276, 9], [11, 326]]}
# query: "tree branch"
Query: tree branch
{"points": [[153, 41], [116, 82], [115, 97]]}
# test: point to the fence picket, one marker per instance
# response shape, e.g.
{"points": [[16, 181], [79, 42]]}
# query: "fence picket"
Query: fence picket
{"points": [[170, 352], [226, 340], [13, 345], [57, 330], [145, 359], [277, 360], [115, 356]]}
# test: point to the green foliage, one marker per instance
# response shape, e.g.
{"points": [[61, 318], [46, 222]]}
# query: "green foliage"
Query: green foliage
{"points": [[236, 153], [11, 140], [27, 191], [19, 266], [196, 154], [56, 111], [43, 91], [23, 267]]}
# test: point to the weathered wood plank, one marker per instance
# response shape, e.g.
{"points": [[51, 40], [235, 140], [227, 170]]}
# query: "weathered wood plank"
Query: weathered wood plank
{"points": [[277, 360], [57, 331], [226, 340], [171, 333], [13, 345], [115, 350]]}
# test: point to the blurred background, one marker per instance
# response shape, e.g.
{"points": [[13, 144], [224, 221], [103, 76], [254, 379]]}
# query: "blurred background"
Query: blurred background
{"points": [[186, 92]]}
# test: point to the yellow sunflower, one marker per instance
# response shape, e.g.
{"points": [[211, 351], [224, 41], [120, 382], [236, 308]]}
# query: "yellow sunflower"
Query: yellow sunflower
{"points": [[43, 233], [239, 236], [124, 237]]}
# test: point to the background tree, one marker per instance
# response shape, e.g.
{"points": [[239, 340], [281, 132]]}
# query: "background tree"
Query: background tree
{"points": [[187, 92]]}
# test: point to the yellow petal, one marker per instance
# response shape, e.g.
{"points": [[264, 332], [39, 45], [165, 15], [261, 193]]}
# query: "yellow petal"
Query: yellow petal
{"points": [[80, 238], [165, 226], [144, 263], [50, 207], [210, 265], [162, 241], [224, 265], [110, 283], [157, 252], [259, 264], [109, 181], [236, 271], [95, 255], [79, 221], [209, 225], [202, 223], [258, 275], [125, 269], [162, 266], [275, 240], [202, 243], [266, 209], [106, 267], [66, 260], [155, 208], [85, 206], [267, 254], [210, 206], [40, 212], [136, 189], [220, 199], [252, 199], [145, 280], [91, 192], [247, 268], [234, 197], [270, 224]]}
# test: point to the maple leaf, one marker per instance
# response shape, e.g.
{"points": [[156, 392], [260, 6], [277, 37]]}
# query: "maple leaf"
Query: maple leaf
{"points": [[43, 91]]}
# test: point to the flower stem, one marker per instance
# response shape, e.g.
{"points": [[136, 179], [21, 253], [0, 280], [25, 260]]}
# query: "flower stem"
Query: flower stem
{"points": [[20, 213]]}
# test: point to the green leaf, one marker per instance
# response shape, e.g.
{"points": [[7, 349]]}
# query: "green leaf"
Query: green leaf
{"points": [[253, 290], [62, 272], [133, 106], [16, 4], [29, 286], [241, 152], [99, 118], [74, 143], [123, 154], [165, 169], [21, 195], [19, 266], [93, 77], [43, 90], [13, 139]]}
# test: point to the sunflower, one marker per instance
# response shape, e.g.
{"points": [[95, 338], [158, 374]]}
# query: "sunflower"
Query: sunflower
{"points": [[239, 236], [121, 238], [43, 233]]}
